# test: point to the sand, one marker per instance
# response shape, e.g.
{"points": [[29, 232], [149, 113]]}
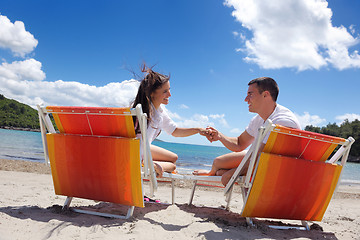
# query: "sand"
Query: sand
{"points": [[29, 209]]}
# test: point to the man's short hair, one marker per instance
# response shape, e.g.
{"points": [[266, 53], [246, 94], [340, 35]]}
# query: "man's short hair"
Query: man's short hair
{"points": [[266, 84]]}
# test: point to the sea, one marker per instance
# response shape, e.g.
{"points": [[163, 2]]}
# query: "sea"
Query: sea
{"points": [[25, 145]]}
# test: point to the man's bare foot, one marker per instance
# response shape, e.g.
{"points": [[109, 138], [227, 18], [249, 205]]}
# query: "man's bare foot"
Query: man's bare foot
{"points": [[159, 170], [201, 172]]}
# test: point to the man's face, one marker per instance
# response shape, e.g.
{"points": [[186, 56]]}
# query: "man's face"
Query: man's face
{"points": [[254, 98]]}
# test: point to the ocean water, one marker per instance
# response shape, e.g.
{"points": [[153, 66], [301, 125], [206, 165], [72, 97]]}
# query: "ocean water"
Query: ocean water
{"points": [[23, 145], [192, 157]]}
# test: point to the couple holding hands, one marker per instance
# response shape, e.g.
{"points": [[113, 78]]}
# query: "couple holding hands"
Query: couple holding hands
{"points": [[262, 94]]}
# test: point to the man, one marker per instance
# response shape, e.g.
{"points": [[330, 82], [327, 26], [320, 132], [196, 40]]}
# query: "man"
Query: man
{"points": [[261, 98]]}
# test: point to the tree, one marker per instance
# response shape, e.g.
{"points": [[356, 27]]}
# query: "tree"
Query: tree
{"points": [[15, 114], [345, 130]]}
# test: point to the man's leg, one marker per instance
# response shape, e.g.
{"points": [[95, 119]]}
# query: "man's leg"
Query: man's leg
{"points": [[226, 176]]}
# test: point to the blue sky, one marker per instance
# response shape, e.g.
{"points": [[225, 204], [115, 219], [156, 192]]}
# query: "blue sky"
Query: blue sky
{"points": [[80, 53]]}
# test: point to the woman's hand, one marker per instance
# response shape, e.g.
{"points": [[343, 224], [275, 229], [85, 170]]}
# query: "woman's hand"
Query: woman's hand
{"points": [[213, 135], [210, 133], [204, 132]]}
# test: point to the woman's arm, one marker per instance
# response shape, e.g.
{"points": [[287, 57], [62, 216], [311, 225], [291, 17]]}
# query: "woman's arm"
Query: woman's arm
{"points": [[185, 132]]}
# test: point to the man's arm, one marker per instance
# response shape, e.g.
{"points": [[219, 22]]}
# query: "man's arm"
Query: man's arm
{"points": [[235, 144]]}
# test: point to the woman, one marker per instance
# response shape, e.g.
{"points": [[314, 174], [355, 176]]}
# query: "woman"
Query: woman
{"points": [[154, 90]]}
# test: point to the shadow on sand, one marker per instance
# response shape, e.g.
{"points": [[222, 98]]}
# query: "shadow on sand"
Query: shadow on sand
{"points": [[232, 224]]}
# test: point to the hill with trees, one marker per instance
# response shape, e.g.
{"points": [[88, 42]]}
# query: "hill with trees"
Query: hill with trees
{"points": [[345, 130], [16, 115]]}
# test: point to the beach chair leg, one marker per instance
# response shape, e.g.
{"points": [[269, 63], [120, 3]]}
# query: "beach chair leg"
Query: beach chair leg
{"points": [[192, 192], [67, 203], [306, 225], [108, 215], [228, 197], [244, 192], [151, 193], [250, 222], [173, 191], [128, 214]]}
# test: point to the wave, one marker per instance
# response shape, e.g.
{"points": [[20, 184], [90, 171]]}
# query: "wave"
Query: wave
{"points": [[349, 182], [13, 157]]}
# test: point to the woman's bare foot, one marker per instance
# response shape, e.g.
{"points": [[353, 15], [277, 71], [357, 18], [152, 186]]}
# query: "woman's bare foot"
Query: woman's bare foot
{"points": [[159, 170], [201, 172]]}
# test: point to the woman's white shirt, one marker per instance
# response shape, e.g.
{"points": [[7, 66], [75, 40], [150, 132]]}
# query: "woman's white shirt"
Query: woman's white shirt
{"points": [[159, 121]]}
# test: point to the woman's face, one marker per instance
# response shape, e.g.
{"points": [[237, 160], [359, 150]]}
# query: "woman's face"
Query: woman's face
{"points": [[161, 95]]}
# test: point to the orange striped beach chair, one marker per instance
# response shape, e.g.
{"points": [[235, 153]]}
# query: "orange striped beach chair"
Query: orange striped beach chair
{"points": [[293, 177], [95, 155]]}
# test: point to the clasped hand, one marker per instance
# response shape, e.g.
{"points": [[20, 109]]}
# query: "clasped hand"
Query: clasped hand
{"points": [[210, 133]]}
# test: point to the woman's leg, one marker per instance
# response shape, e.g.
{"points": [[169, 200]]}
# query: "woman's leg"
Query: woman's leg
{"points": [[161, 154], [223, 163], [164, 160]]}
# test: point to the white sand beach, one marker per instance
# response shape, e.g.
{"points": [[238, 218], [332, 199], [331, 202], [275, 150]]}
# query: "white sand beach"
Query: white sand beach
{"points": [[29, 209]]}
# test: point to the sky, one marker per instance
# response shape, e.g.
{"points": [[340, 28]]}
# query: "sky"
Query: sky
{"points": [[89, 53]]}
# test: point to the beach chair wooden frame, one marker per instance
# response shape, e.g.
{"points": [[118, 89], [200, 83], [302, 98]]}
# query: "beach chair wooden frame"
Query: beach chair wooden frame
{"points": [[110, 128], [271, 189]]}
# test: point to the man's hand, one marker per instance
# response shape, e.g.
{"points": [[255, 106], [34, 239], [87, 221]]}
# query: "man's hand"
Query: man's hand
{"points": [[213, 135]]}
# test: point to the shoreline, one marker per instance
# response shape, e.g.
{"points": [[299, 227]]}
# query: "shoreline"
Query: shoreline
{"points": [[21, 129], [24, 166], [29, 207]]}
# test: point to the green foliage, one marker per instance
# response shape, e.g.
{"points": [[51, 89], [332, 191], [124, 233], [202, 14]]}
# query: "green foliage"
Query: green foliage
{"points": [[19, 115], [345, 130]]}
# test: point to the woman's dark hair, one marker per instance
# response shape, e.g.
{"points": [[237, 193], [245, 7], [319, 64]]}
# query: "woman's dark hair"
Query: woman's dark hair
{"points": [[151, 81]]}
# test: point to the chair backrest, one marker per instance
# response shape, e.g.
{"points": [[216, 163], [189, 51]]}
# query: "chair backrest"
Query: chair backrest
{"points": [[292, 179], [301, 144], [98, 168], [96, 155], [291, 188], [93, 120]]}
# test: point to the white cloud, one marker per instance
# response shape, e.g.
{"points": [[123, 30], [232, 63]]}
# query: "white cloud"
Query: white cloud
{"points": [[294, 34], [24, 81], [216, 116], [15, 37], [349, 116], [183, 106], [29, 69], [220, 118], [352, 29], [307, 119], [235, 130], [239, 35], [197, 120], [172, 115]]}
